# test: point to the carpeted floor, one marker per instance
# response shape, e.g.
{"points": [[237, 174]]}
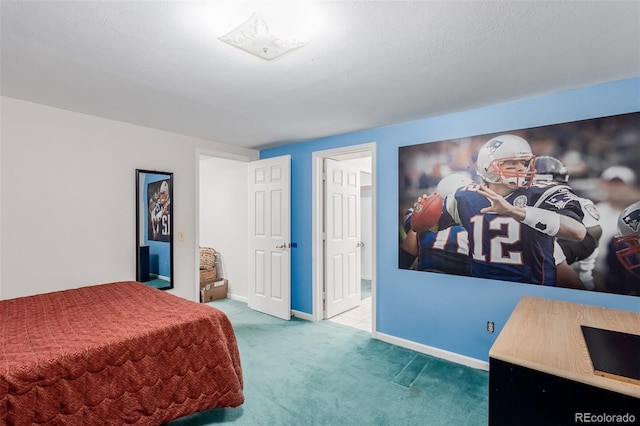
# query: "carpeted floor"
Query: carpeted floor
{"points": [[321, 373], [158, 283]]}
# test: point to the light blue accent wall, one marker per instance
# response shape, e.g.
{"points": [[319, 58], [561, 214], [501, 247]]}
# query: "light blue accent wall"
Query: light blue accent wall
{"points": [[444, 311]]}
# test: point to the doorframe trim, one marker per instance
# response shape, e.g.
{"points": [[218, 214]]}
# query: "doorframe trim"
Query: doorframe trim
{"points": [[317, 209]]}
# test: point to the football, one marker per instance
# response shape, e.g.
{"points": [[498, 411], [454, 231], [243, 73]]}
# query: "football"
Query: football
{"points": [[426, 212]]}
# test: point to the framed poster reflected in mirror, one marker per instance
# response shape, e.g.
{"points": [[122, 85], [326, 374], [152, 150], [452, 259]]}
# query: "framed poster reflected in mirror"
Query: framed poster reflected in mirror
{"points": [[154, 228]]}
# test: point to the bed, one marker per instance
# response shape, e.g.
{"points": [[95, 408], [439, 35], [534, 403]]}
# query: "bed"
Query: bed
{"points": [[118, 353]]}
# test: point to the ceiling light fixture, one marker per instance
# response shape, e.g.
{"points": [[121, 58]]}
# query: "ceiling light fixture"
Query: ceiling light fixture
{"points": [[259, 36]]}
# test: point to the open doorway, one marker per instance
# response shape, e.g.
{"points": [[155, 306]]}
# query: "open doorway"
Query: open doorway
{"points": [[221, 216], [361, 315], [228, 220], [358, 316]]}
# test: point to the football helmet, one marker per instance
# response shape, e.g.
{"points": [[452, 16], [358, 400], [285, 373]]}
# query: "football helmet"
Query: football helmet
{"points": [[503, 148], [164, 187], [550, 169], [627, 240]]}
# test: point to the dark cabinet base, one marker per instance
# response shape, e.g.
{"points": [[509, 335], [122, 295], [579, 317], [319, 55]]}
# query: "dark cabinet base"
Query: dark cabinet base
{"points": [[522, 396]]}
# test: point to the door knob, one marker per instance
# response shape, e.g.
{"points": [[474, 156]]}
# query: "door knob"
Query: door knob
{"points": [[360, 244], [282, 246]]}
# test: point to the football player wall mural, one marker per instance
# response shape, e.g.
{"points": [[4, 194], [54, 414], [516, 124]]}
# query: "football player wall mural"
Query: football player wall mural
{"points": [[538, 206]]}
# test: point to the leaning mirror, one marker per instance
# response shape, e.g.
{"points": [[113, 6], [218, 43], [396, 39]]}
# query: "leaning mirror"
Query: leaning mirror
{"points": [[154, 223]]}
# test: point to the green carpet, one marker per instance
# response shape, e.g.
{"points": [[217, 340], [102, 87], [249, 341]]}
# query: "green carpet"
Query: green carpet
{"points": [[158, 283], [321, 373]]}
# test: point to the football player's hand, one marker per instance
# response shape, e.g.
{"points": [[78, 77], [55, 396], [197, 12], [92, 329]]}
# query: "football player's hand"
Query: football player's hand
{"points": [[499, 205]]}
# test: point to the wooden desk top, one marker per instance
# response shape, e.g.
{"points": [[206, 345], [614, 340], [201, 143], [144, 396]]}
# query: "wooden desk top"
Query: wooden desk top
{"points": [[545, 335]]}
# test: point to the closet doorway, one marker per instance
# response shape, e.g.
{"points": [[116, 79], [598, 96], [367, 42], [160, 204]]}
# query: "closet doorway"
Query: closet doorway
{"points": [[222, 216]]}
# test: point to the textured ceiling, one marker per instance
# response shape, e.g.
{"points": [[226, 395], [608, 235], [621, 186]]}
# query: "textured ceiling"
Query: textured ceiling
{"points": [[160, 64]]}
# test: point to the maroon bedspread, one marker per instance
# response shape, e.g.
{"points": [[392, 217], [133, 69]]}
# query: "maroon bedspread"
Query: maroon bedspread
{"points": [[117, 353]]}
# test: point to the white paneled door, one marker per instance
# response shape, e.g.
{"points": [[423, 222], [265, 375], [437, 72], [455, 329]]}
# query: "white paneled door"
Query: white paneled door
{"points": [[270, 236], [342, 245]]}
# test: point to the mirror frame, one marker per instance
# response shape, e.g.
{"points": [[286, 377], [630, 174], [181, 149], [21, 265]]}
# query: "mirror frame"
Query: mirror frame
{"points": [[152, 265]]}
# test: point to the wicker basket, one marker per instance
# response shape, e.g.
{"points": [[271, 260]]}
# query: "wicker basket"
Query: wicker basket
{"points": [[207, 258], [208, 276]]}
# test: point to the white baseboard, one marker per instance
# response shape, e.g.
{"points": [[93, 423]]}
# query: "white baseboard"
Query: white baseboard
{"points": [[302, 315], [238, 298], [430, 350], [418, 347]]}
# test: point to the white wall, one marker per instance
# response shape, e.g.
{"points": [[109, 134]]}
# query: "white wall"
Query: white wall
{"points": [[67, 217], [224, 217]]}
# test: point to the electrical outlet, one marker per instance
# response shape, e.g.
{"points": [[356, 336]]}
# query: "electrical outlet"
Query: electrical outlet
{"points": [[490, 327]]}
